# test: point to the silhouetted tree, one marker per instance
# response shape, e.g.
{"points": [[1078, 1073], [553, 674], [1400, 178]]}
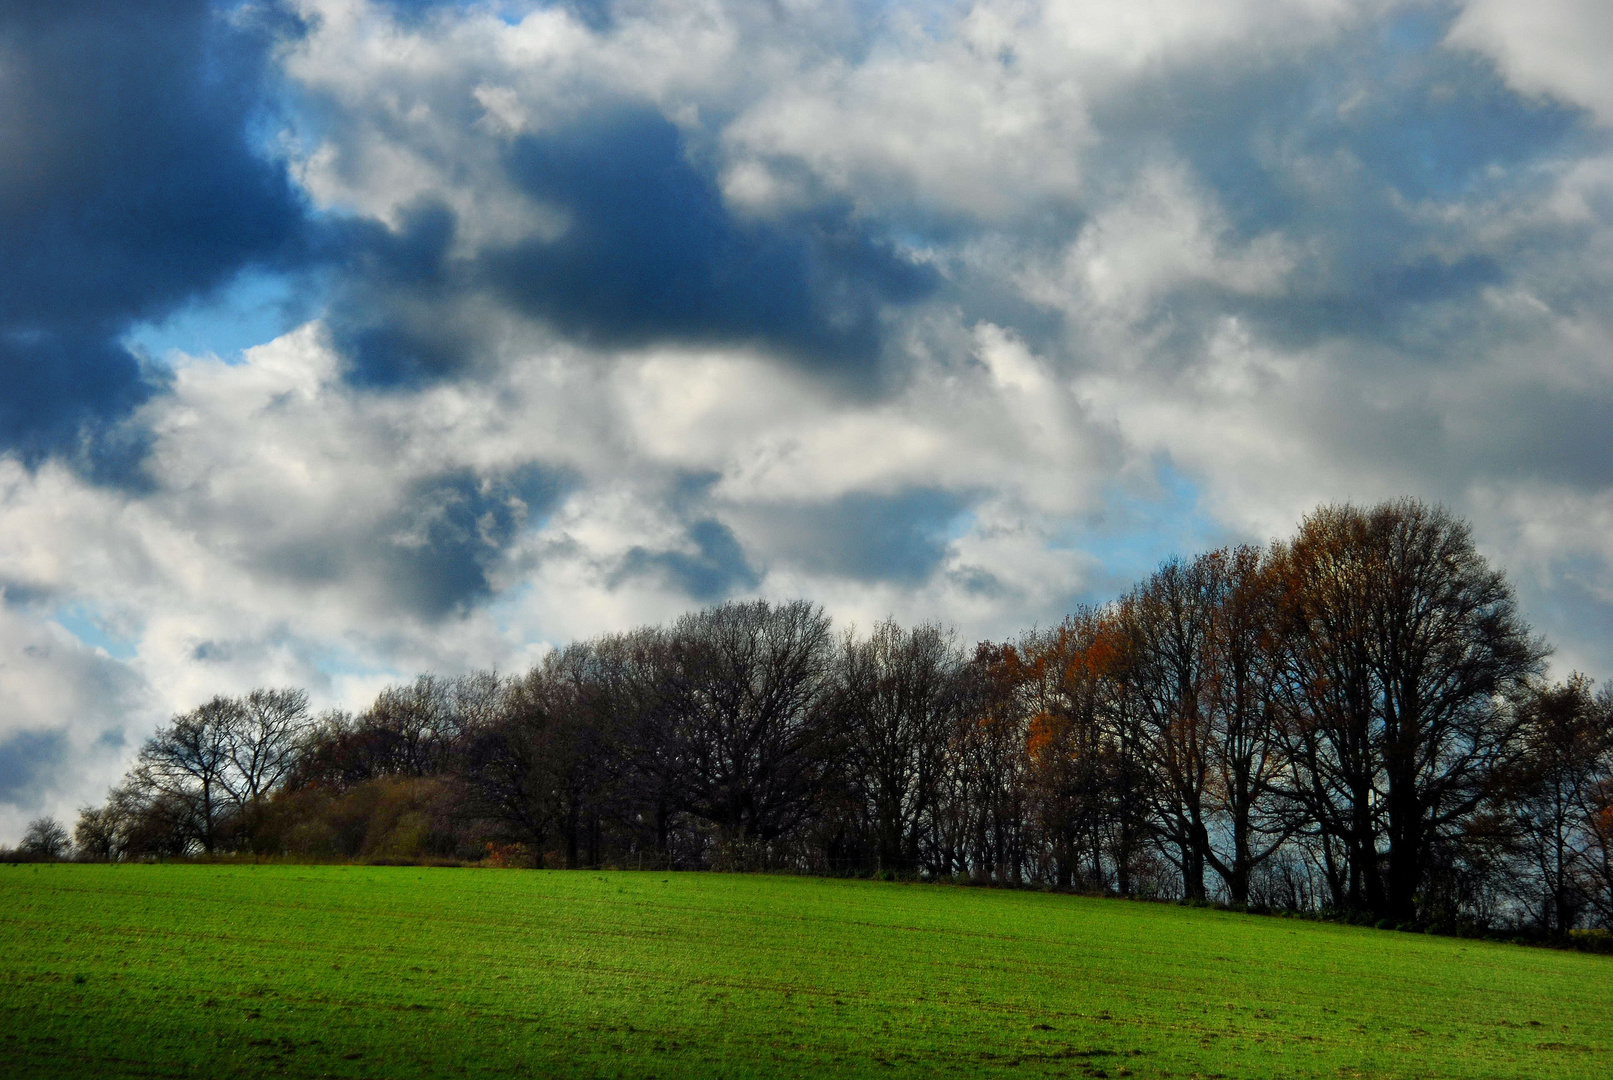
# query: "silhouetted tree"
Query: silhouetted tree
{"points": [[185, 766], [988, 786], [1166, 625], [1245, 749], [45, 838], [202, 779], [263, 738], [100, 833], [897, 698], [737, 723], [1567, 753], [549, 758]]}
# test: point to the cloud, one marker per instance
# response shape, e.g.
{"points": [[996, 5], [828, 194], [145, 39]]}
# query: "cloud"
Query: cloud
{"points": [[899, 538], [65, 712], [28, 762], [1556, 47], [713, 570], [651, 252], [646, 251], [432, 554], [131, 185]]}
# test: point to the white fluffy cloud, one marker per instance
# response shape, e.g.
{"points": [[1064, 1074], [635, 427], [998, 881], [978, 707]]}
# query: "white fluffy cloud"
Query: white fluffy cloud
{"points": [[1557, 47]]}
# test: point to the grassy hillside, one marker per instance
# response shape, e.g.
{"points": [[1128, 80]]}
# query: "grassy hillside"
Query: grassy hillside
{"points": [[396, 972]]}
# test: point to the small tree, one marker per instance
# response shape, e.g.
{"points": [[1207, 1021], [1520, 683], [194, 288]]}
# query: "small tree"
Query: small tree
{"points": [[101, 833], [45, 839]]}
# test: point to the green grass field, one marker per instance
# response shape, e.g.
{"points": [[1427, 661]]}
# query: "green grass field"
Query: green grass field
{"points": [[396, 972]]}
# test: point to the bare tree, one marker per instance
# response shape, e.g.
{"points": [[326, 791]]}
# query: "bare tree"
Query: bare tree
{"points": [[101, 833], [187, 763], [1168, 622], [45, 838], [411, 730], [547, 758], [897, 701], [739, 715], [207, 773], [1567, 753], [263, 738], [145, 822], [1245, 748]]}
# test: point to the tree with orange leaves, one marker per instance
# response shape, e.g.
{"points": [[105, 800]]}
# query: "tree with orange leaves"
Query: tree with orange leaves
{"points": [[987, 791], [1069, 744], [1600, 852], [1404, 657]]}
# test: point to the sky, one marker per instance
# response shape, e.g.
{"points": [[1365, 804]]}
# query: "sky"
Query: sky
{"points": [[344, 340]]}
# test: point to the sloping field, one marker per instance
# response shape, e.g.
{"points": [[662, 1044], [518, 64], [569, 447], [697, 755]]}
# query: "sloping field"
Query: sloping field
{"points": [[396, 972]]}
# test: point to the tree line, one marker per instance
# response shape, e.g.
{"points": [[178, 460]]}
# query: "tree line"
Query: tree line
{"points": [[1353, 719]]}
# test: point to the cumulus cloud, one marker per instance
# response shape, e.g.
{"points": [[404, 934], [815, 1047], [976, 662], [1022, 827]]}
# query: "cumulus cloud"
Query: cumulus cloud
{"points": [[966, 312]]}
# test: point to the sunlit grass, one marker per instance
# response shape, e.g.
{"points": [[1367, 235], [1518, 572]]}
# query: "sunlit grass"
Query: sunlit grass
{"points": [[395, 972]]}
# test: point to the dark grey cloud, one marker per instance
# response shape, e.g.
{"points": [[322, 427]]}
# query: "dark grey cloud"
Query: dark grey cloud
{"points": [[29, 764], [714, 571], [128, 184], [433, 555], [453, 528], [652, 254], [396, 315], [1559, 435], [900, 538]]}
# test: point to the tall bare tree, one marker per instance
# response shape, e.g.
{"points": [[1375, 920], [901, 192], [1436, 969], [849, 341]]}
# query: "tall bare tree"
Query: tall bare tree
{"points": [[740, 715], [1245, 749], [1167, 624], [897, 700]]}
